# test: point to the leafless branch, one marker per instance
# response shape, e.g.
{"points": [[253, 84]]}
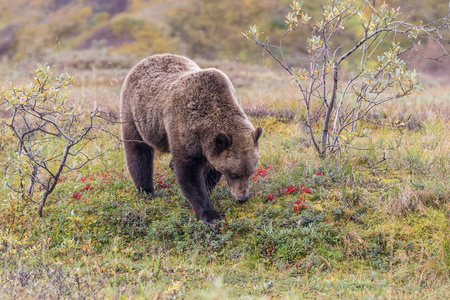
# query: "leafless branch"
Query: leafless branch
{"points": [[322, 82], [49, 132]]}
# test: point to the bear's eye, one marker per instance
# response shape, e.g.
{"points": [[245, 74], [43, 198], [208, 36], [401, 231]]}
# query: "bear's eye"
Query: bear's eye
{"points": [[234, 176]]}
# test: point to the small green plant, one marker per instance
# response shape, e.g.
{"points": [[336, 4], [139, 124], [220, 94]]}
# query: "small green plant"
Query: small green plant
{"points": [[48, 134], [335, 101], [445, 252]]}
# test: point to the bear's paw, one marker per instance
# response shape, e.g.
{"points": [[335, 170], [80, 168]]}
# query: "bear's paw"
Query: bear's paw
{"points": [[209, 216]]}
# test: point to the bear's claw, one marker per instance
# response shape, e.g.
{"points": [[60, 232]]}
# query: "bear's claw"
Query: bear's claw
{"points": [[209, 216]]}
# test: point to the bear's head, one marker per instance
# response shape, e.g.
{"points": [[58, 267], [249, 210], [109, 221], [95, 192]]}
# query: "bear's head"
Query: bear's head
{"points": [[235, 156]]}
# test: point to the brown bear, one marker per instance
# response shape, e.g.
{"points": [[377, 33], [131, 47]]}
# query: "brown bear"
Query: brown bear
{"points": [[170, 104]]}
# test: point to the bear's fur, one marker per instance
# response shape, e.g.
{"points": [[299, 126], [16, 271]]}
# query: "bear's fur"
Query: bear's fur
{"points": [[170, 104]]}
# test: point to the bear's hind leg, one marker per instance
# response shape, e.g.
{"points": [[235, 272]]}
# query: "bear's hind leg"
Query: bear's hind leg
{"points": [[139, 157]]}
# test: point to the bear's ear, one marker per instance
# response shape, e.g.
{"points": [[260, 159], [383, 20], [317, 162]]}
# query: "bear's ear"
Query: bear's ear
{"points": [[222, 142], [257, 134]]}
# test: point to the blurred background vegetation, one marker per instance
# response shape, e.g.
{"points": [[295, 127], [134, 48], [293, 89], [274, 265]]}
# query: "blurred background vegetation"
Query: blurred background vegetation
{"points": [[104, 34]]}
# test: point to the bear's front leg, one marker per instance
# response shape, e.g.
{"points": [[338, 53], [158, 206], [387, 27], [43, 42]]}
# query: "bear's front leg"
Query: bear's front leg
{"points": [[212, 178], [190, 173]]}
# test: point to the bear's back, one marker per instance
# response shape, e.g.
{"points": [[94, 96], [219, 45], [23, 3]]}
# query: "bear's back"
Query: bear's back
{"points": [[145, 93], [161, 68]]}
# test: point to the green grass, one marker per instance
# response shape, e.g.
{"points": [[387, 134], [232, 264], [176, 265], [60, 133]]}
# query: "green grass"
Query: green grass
{"points": [[369, 228]]}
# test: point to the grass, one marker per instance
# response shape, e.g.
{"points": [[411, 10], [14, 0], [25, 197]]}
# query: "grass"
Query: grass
{"points": [[367, 224]]}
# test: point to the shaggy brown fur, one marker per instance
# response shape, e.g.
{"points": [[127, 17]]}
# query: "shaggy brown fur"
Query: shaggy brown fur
{"points": [[171, 105]]}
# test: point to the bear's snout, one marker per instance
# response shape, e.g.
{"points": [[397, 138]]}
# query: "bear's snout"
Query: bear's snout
{"points": [[239, 190], [242, 199]]}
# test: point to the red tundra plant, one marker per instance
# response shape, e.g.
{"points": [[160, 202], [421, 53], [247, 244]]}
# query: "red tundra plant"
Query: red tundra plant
{"points": [[304, 190], [286, 190], [62, 178], [83, 179], [270, 197], [77, 195], [261, 172], [105, 175], [160, 181], [87, 188], [300, 204]]}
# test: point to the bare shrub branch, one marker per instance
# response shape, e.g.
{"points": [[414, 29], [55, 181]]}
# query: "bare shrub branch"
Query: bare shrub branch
{"points": [[341, 99], [48, 132]]}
